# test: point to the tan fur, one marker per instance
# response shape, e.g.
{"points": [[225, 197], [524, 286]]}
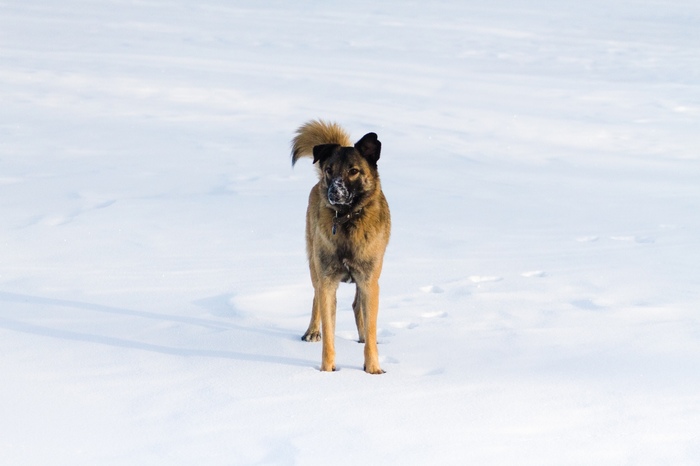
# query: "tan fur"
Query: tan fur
{"points": [[355, 252]]}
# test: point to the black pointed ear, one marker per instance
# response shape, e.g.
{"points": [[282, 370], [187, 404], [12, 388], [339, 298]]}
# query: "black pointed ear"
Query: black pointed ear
{"points": [[369, 147], [323, 151]]}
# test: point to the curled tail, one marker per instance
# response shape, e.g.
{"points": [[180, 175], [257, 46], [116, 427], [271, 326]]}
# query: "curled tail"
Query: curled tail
{"points": [[315, 132]]}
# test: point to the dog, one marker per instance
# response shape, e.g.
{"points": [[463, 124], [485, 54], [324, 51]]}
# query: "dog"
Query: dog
{"points": [[348, 225]]}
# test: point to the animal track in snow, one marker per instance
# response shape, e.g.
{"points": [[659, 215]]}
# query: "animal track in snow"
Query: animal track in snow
{"points": [[534, 273], [388, 360], [625, 238], [105, 204], [586, 304], [633, 239], [409, 324], [431, 289], [347, 335], [403, 325], [587, 239], [58, 220], [484, 279], [62, 219]]}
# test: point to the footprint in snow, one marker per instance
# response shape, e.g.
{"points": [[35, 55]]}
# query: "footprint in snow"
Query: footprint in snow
{"points": [[587, 239], [634, 239], [58, 220], [624, 238], [105, 204], [403, 325], [409, 325], [388, 360], [347, 335], [484, 279], [534, 274], [586, 304], [432, 289]]}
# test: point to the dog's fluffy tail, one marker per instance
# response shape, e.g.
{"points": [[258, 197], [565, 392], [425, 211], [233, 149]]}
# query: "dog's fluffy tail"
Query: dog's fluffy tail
{"points": [[317, 132]]}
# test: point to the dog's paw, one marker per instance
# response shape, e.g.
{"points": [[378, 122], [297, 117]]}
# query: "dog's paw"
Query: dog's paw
{"points": [[312, 336], [328, 368], [376, 370]]}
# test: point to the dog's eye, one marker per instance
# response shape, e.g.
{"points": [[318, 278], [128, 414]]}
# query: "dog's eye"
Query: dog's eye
{"points": [[353, 171], [328, 171]]}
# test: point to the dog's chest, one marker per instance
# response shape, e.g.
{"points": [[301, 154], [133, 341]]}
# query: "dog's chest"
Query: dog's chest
{"points": [[344, 263]]}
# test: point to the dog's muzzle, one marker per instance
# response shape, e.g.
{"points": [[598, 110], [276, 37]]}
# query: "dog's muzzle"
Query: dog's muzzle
{"points": [[338, 193]]}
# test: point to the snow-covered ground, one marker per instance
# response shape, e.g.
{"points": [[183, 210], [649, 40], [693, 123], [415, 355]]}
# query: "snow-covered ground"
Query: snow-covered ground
{"points": [[541, 290]]}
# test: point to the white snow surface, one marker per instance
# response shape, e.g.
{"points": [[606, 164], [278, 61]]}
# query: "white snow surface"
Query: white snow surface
{"points": [[541, 290]]}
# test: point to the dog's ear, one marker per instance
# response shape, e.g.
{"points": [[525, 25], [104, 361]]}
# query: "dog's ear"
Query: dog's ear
{"points": [[323, 151], [369, 147]]}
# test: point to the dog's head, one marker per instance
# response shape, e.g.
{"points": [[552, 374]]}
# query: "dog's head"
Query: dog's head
{"points": [[349, 173]]}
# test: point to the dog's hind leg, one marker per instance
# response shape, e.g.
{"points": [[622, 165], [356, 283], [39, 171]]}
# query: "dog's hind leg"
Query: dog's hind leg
{"points": [[359, 315], [313, 333]]}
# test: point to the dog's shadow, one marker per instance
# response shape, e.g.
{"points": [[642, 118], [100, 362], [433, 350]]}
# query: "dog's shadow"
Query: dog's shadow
{"points": [[216, 305]]}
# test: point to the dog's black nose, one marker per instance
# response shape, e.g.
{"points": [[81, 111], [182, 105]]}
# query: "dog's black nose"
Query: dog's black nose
{"points": [[338, 193]]}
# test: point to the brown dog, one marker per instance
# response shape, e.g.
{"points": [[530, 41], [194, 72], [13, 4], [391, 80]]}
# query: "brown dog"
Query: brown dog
{"points": [[347, 231]]}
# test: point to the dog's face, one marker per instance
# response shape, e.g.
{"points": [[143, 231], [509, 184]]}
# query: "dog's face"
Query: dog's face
{"points": [[349, 173]]}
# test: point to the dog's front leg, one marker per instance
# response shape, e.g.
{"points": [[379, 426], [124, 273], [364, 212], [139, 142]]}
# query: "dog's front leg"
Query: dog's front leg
{"points": [[326, 296], [370, 306], [313, 333]]}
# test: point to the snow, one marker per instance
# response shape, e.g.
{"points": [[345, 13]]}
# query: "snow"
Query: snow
{"points": [[540, 292]]}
